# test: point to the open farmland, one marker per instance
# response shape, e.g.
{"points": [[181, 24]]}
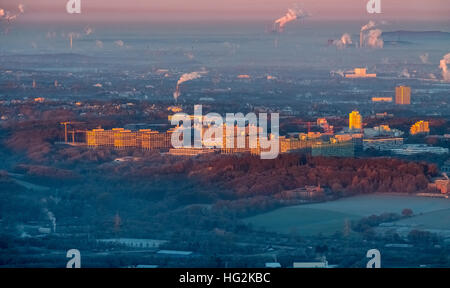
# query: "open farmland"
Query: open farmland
{"points": [[428, 220], [330, 217]]}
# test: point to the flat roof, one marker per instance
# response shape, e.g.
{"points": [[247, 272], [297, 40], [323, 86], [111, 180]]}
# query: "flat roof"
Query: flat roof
{"points": [[174, 252]]}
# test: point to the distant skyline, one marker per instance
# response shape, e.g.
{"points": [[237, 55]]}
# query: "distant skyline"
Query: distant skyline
{"points": [[207, 10]]}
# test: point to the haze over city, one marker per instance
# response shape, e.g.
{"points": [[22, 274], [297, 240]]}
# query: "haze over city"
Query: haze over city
{"points": [[357, 104]]}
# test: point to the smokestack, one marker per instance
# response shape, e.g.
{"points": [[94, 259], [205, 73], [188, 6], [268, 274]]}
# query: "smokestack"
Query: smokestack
{"points": [[186, 77], [176, 94], [361, 40], [71, 41], [369, 25], [372, 38]]}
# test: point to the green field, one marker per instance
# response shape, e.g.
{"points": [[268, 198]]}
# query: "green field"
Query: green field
{"points": [[431, 220], [330, 217]]}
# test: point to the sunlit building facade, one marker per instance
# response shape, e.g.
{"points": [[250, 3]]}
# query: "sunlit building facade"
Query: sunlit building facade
{"points": [[360, 73], [420, 127], [121, 138], [381, 99], [403, 95], [355, 121]]}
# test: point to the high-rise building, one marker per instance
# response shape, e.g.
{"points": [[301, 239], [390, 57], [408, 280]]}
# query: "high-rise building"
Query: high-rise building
{"points": [[403, 95], [355, 121], [420, 127]]}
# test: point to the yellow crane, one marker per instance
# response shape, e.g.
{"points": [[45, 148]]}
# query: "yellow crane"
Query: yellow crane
{"points": [[65, 130]]}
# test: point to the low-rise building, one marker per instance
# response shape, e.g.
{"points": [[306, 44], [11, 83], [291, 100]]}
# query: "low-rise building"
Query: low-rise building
{"points": [[412, 149], [360, 73], [175, 253], [382, 99], [382, 144], [307, 192], [381, 131], [441, 184], [323, 263], [273, 265], [446, 167], [134, 242], [191, 151]]}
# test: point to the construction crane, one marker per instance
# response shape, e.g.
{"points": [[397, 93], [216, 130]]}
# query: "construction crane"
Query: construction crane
{"points": [[307, 124], [75, 132], [65, 129]]}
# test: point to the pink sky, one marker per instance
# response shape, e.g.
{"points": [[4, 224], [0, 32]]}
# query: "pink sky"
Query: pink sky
{"points": [[156, 10]]}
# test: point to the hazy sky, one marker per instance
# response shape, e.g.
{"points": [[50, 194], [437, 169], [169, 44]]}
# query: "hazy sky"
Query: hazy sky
{"points": [[179, 10]]}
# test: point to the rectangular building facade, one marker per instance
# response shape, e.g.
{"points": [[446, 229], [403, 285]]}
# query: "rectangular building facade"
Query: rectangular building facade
{"points": [[382, 143], [122, 139], [402, 95]]}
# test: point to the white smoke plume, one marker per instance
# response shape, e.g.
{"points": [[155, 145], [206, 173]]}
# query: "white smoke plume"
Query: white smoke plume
{"points": [[443, 65], [370, 37], [189, 76], [373, 39], [405, 73], [52, 219], [88, 30], [291, 15], [189, 55], [119, 43], [368, 26], [184, 78], [424, 58], [338, 72], [9, 16], [345, 40]]}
